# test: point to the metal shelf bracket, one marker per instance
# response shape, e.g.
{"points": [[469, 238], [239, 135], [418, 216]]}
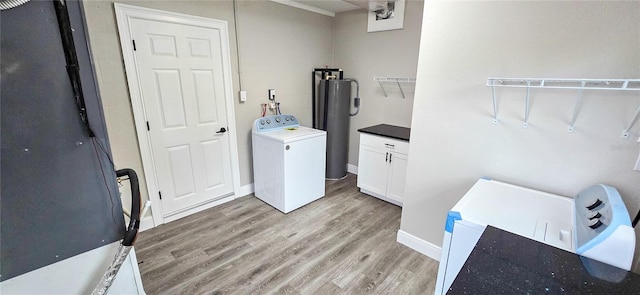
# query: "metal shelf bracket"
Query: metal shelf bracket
{"points": [[576, 108], [393, 79], [625, 133]]}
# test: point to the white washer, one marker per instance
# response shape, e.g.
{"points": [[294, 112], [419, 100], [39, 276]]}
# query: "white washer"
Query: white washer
{"points": [[594, 224], [288, 162]]}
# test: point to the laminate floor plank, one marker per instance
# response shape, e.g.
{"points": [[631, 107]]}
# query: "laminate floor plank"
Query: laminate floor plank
{"points": [[347, 270], [252, 271], [303, 269], [343, 243]]}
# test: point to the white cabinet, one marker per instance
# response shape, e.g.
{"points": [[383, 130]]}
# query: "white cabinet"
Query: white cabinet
{"points": [[382, 167]]}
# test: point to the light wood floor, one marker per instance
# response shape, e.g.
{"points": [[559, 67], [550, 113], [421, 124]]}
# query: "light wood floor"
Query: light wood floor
{"points": [[344, 243]]}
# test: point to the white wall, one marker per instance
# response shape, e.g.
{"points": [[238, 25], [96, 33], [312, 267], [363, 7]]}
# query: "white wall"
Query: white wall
{"points": [[364, 55], [453, 140], [279, 46]]}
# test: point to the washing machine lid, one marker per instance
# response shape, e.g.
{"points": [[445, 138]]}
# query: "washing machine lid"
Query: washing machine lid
{"points": [[291, 134], [516, 209]]}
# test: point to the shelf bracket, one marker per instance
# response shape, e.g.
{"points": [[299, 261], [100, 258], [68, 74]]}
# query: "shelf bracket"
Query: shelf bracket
{"points": [[382, 87], [526, 107], [393, 79], [577, 107], [625, 133], [401, 92], [495, 105]]}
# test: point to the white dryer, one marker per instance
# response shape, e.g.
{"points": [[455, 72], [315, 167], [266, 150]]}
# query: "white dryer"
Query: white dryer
{"points": [[288, 162], [594, 224]]}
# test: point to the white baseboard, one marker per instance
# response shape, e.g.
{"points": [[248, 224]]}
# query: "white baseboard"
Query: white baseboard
{"points": [[198, 208], [381, 197], [419, 245], [245, 190], [352, 169], [146, 223]]}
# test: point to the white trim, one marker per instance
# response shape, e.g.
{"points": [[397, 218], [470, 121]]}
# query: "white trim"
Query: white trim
{"points": [[124, 13], [199, 208], [381, 197], [352, 169], [305, 7], [136, 271], [245, 190], [419, 245], [146, 223]]}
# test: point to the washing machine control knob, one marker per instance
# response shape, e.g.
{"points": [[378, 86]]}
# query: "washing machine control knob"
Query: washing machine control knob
{"points": [[261, 122], [595, 223], [594, 215], [594, 204], [268, 121], [278, 119], [286, 118]]}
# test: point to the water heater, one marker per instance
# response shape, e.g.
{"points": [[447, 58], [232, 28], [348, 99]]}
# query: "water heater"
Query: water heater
{"points": [[331, 112]]}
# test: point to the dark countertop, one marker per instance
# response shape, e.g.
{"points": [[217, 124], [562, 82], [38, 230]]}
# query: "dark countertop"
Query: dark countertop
{"points": [[386, 130], [505, 263]]}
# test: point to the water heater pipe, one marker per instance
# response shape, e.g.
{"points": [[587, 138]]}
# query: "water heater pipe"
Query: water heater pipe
{"points": [[327, 73], [356, 100]]}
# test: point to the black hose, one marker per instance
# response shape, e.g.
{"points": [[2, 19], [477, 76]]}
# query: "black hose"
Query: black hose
{"points": [[134, 220], [73, 69]]}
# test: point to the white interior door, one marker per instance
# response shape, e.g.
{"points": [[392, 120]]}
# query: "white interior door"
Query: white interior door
{"points": [[181, 81]]}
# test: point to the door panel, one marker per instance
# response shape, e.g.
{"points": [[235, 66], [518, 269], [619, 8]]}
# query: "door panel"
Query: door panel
{"points": [[397, 176], [169, 92], [182, 87], [162, 45], [181, 170], [372, 169], [212, 153], [200, 47], [203, 88]]}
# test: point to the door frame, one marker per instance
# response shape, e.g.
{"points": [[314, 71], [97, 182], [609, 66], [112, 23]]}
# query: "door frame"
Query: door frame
{"points": [[124, 13]]}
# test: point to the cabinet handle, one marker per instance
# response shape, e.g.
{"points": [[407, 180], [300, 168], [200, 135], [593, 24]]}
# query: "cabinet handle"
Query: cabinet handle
{"points": [[389, 145], [386, 158], [390, 156]]}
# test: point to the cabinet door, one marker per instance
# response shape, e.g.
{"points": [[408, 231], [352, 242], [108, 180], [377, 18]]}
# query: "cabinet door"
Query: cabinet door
{"points": [[397, 176], [372, 169]]}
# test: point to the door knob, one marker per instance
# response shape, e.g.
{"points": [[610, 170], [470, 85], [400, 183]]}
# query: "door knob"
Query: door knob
{"points": [[222, 130]]}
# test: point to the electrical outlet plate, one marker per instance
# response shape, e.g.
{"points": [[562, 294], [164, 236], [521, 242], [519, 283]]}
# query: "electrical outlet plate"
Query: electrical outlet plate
{"points": [[243, 96]]}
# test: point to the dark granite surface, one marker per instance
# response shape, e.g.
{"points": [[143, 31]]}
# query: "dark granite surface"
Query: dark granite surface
{"points": [[391, 131], [505, 263]]}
